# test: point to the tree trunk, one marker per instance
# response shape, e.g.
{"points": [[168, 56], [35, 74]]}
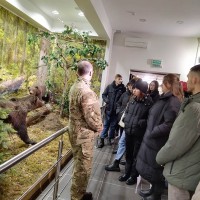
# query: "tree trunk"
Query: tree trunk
{"points": [[23, 50], [64, 93], [38, 115], [15, 59], [4, 45], [42, 67], [11, 85]]}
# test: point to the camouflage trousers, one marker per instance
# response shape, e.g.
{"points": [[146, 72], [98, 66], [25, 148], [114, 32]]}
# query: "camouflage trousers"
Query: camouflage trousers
{"points": [[82, 154]]}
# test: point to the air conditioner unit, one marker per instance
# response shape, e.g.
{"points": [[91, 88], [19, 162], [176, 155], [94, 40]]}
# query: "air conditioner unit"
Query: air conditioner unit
{"points": [[136, 42]]}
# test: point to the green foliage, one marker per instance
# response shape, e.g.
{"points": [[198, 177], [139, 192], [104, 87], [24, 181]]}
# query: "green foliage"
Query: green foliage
{"points": [[66, 49], [17, 58], [69, 47], [4, 130], [1, 33]]}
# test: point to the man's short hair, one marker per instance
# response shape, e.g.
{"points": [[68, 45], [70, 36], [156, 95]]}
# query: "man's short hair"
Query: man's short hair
{"points": [[83, 67], [118, 76], [196, 69]]}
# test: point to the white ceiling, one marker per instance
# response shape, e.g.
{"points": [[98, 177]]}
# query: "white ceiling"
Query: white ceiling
{"points": [[142, 16], [68, 14], [161, 16]]}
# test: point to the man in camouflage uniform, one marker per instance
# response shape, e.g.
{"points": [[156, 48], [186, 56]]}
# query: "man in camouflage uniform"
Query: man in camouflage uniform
{"points": [[84, 122]]}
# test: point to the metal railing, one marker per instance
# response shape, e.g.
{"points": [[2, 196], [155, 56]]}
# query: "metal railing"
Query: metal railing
{"points": [[13, 161]]}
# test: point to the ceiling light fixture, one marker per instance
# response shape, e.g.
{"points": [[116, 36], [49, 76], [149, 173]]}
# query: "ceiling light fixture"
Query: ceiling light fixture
{"points": [[180, 22], [131, 12], [55, 12], [60, 20], [81, 14], [142, 20]]}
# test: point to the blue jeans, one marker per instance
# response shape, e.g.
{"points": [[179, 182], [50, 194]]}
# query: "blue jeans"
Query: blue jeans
{"points": [[110, 124], [121, 147]]}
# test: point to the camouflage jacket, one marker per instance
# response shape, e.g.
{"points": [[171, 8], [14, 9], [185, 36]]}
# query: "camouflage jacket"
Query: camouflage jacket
{"points": [[84, 109]]}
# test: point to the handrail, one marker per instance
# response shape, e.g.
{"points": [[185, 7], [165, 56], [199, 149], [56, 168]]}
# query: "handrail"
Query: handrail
{"points": [[13, 161]]}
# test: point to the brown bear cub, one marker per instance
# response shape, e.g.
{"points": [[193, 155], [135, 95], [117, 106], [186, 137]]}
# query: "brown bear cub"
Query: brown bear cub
{"points": [[40, 92], [19, 107]]}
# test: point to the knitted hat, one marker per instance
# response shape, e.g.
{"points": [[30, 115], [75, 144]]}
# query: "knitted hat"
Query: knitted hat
{"points": [[142, 86]]}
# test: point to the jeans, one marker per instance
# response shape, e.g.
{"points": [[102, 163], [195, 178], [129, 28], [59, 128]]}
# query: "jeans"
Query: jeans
{"points": [[110, 123], [121, 147]]}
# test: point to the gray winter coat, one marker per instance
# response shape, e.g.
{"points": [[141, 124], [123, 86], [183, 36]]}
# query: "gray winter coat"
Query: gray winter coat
{"points": [[181, 153]]}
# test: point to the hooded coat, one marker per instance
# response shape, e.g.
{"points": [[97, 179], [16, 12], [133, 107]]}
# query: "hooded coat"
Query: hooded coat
{"points": [[181, 154]]}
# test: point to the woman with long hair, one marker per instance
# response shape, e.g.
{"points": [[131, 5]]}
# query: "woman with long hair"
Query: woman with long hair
{"points": [[153, 90], [160, 120]]}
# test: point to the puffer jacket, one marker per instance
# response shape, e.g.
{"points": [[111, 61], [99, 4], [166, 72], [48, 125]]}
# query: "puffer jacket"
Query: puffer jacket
{"points": [[161, 118], [122, 103], [181, 154], [136, 115], [111, 95]]}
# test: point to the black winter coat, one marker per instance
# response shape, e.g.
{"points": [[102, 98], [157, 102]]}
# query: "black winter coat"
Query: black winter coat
{"points": [[136, 116], [111, 95], [155, 95], [161, 118], [122, 103]]}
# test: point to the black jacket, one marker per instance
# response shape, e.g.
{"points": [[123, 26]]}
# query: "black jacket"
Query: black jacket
{"points": [[111, 95], [122, 103], [154, 95], [161, 118], [136, 116]]}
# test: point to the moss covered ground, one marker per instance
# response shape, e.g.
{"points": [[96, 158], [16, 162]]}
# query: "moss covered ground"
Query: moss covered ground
{"points": [[15, 181]]}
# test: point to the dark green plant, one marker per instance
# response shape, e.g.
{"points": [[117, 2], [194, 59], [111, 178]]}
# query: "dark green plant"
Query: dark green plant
{"points": [[5, 129], [67, 48]]}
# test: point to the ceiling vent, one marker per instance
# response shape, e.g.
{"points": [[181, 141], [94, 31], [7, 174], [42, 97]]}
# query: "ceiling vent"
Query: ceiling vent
{"points": [[136, 42]]}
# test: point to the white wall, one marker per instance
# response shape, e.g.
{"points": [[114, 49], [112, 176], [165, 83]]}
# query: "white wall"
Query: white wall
{"points": [[105, 74], [177, 55]]}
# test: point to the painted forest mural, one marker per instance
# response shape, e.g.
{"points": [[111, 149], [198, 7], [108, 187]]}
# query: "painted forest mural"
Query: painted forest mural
{"points": [[21, 66], [17, 58]]}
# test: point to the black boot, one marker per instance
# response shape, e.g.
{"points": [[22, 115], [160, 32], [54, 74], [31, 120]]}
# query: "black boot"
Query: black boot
{"points": [[153, 197], [113, 167], [124, 177], [114, 151], [131, 181], [101, 144], [109, 141], [122, 162], [158, 189], [87, 196], [145, 193]]}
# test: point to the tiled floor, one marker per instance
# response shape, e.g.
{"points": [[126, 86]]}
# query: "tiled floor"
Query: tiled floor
{"points": [[104, 185]]}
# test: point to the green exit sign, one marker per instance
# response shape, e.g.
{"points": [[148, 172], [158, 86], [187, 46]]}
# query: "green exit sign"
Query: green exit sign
{"points": [[156, 63]]}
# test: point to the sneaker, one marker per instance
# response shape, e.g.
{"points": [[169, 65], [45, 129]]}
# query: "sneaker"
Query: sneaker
{"points": [[87, 196]]}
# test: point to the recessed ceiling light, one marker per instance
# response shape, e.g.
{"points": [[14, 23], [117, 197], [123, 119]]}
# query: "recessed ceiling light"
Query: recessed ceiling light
{"points": [[180, 22], [118, 31], [55, 12], [81, 14], [142, 20], [131, 12], [60, 20]]}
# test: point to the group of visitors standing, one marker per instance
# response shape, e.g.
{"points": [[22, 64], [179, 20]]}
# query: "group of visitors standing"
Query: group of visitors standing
{"points": [[159, 132]]}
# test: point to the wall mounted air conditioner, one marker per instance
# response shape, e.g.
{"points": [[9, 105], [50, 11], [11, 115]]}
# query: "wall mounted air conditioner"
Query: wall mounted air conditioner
{"points": [[136, 42]]}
